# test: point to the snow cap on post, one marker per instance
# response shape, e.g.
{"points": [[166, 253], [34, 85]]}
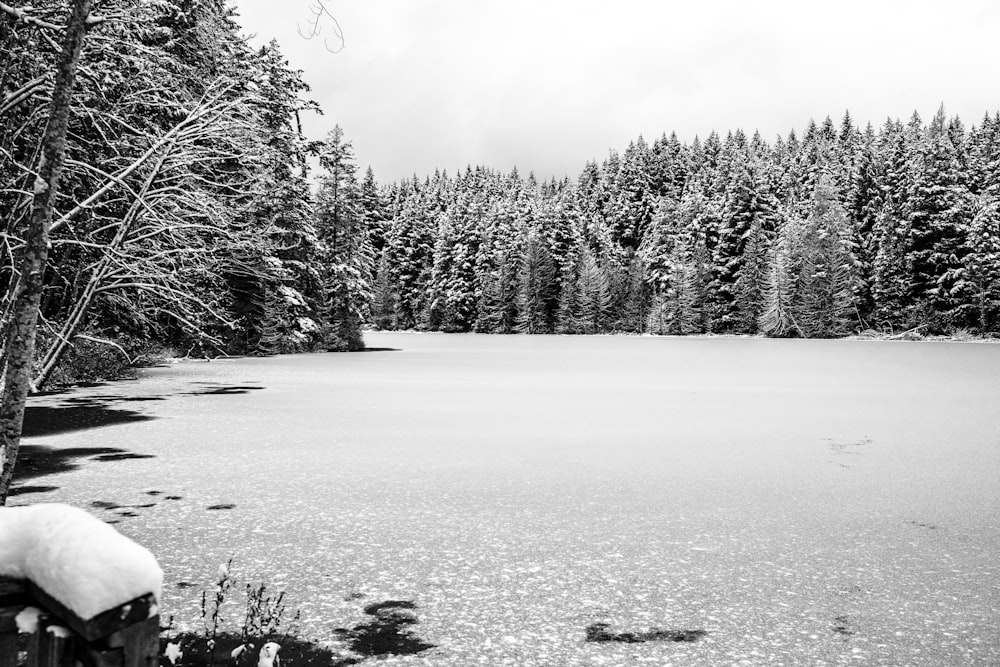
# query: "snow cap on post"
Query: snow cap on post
{"points": [[76, 558]]}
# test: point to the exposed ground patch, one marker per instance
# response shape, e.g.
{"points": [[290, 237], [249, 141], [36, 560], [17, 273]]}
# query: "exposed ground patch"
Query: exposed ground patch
{"points": [[387, 633], [844, 625], [198, 653], [601, 632]]}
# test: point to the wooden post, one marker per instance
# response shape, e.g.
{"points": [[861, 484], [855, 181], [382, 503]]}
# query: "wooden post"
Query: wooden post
{"points": [[13, 594], [58, 647], [8, 636], [38, 646], [126, 636], [140, 643]]}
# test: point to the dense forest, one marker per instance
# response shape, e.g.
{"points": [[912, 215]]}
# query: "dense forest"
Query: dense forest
{"points": [[194, 215], [839, 231], [187, 215]]}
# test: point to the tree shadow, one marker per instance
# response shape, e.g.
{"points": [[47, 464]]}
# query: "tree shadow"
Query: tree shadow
{"points": [[43, 420], [30, 488], [218, 389], [80, 413], [34, 461]]}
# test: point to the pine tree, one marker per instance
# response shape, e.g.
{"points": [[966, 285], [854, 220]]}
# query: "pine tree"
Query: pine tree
{"points": [[593, 295], [373, 211], [751, 281], [826, 274], [453, 281], [285, 265], [568, 311], [537, 294], [347, 254], [637, 296], [410, 248], [890, 273], [749, 219], [384, 297], [681, 314], [778, 316], [982, 266], [632, 207], [937, 225], [864, 201]]}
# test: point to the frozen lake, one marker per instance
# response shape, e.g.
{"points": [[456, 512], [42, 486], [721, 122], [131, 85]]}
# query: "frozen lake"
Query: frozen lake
{"points": [[801, 501]]}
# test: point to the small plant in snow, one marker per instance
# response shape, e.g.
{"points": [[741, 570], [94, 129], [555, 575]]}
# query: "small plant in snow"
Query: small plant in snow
{"points": [[264, 614], [211, 613], [250, 639]]}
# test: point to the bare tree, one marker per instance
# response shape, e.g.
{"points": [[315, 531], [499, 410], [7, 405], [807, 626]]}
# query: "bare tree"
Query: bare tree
{"points": [[20, 347], [164, 241]]}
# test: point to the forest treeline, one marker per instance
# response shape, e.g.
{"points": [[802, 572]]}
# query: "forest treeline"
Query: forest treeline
{"points": [[187, 215], [835, 232], [191, 214]]}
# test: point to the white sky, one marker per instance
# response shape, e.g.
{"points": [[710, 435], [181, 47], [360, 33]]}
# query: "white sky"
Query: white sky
{"points": [[548, 84]]}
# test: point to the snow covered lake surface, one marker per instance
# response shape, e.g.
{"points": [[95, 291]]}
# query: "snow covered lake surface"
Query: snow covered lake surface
{"points": [[802, 502]]}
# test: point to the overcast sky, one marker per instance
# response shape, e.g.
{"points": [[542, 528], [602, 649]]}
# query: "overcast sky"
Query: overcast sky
{"points": [[548, 84]]}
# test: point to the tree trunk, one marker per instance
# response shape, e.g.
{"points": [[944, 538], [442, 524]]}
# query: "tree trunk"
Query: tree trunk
{"points": [[20, 346]]}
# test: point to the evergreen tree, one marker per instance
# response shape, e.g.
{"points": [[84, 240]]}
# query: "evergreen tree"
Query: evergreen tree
{"points": [[593, 297], [751, 281], [347, 252], [982, 266], [373, 211], [410, 246], [383, 310], [864, 202], [632, 207], [779, 304], [890, 274], [680, 308], [568, 311], [537, 288], [749, 219], [288, 261], [637, 296], [826, 274], [937, 225]]}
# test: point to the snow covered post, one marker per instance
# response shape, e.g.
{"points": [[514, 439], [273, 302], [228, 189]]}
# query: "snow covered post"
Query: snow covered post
{"points": [[78, 588]]}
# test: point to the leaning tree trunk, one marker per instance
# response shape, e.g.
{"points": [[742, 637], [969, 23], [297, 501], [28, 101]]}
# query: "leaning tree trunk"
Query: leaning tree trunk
{"points": [[20, 346]]}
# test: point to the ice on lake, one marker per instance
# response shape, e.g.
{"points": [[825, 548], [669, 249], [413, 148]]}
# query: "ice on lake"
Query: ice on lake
{"points": [[801, 501]]}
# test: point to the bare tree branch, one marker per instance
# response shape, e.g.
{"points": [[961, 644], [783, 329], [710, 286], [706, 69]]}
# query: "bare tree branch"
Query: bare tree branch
{"points": [[320, 13]]}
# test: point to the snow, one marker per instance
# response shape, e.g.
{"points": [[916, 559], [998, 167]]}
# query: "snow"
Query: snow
{"points": [[269, 655], [76, 558], [292, 296], [173, 652], [758, 489], [27, 620]]}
